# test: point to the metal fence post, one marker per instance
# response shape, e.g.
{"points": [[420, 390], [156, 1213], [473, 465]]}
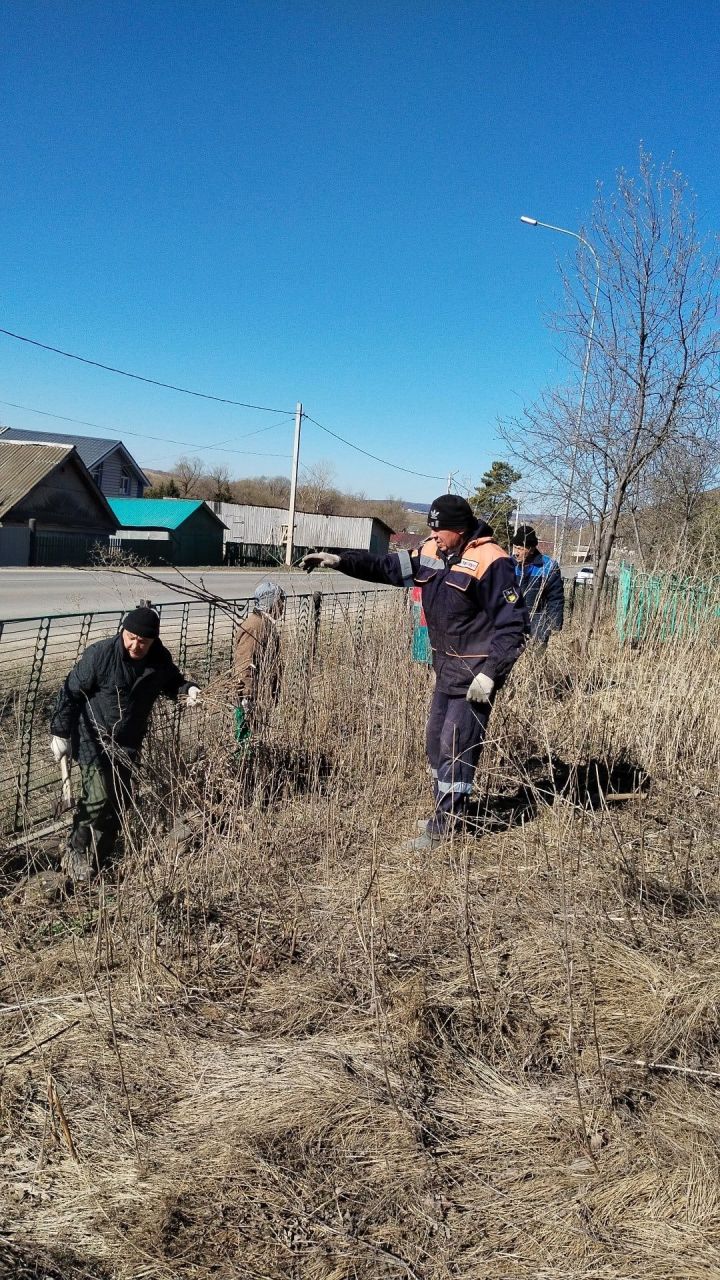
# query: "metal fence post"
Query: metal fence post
{"points": [[28, 722], [182, 647], [181, 661], [209, 640], [317, 600], [85, 626], [360, 616]]}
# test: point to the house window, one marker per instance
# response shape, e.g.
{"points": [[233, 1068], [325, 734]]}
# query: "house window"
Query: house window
{"points": [[97, 476], [124, 483]]}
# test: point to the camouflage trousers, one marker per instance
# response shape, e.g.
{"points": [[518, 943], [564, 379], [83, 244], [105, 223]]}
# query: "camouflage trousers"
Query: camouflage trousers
{"points": [[104, 793]]}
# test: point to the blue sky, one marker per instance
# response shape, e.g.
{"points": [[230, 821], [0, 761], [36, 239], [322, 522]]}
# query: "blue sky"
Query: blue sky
{"points": [[320, 201]]}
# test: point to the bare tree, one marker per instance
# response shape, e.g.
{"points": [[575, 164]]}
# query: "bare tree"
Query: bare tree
{"points": [[262, 491], [189, 474], [678, 481], [217, 484], [316, 491], [653, 374]]}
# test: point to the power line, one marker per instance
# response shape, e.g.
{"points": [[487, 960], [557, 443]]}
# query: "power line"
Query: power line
{"points": [[142, 435], [202, 395], [154, 382], [396, 466]]}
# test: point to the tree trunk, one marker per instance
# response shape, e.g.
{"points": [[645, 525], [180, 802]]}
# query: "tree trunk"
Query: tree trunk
{"points": [[606, 545]]}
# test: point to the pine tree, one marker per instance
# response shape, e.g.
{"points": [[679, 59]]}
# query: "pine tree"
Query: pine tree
{"points": [[493, 500]]}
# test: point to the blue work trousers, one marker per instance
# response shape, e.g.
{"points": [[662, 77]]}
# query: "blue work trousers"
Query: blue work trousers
{"points": [[453, 738]]}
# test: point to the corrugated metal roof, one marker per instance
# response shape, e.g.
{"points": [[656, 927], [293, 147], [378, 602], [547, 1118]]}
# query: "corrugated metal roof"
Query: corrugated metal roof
{"points": [[22, 466], [91, 448], [156, 513]]}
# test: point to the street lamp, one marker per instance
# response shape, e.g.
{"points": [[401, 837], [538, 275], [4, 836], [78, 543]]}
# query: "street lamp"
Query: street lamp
{"points": [[535, 222]]}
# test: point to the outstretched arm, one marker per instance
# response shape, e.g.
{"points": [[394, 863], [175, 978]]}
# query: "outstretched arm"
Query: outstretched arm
{"points": [[395, 569]]}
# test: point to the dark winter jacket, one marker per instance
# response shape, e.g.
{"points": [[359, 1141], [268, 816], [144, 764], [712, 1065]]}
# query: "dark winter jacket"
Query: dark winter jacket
{"points": [[477, 621], [541, 584], [107, 699]]}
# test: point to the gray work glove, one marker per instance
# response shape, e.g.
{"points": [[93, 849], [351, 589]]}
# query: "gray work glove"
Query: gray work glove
{"points": [[480, 689], [319, 560], [193, 694], [60, 747]]}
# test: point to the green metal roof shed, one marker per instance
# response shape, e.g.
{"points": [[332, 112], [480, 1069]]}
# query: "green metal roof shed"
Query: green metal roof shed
{"points": [[195, 532]]}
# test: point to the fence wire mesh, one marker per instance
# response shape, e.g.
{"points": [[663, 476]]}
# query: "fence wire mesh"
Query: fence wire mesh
{"points": [[36, 654]]}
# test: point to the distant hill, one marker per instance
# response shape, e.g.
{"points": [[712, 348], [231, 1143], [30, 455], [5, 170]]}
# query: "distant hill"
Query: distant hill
{"points": [[423, 507]]}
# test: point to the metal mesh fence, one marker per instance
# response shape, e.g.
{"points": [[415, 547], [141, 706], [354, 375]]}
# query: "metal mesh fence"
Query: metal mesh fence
{"points": [[37, 653], [665, 605]]}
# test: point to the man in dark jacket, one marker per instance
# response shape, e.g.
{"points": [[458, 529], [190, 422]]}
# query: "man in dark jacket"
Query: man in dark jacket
{"points": [[100, 719], [477, 626], [540, 581]]}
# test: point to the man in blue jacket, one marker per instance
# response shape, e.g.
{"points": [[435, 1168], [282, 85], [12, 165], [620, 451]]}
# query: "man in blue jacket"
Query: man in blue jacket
{"points": [[477, 626], [100, 719], [540, 581]]}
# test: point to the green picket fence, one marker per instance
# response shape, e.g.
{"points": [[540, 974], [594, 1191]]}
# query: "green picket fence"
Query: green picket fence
{"points": [[664, 605]]}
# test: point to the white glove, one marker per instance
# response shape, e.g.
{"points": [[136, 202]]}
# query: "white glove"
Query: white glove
{"points": [[60, 747], [193, 694], [319, 560], [480, 689], [247, 705]]}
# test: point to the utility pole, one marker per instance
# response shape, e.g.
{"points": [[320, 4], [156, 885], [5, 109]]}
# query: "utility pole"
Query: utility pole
{"points": [[293, 486], [451, 477], [555, 539]]}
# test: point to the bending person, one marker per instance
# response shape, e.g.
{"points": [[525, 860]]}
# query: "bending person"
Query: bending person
{"points": [[256, 664], [100, 719]]}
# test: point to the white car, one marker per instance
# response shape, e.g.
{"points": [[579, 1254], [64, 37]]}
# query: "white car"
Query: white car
{"points": [[585, 574]]}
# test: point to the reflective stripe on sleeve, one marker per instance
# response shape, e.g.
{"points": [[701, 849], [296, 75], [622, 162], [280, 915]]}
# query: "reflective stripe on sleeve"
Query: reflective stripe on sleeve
{"points": [[405, 567]]}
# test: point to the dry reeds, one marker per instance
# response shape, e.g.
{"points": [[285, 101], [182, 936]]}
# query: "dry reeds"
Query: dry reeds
{"points": [[273, 1047]]}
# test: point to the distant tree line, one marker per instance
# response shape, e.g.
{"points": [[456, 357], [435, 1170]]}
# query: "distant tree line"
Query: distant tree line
{"points": [[317, 492]]}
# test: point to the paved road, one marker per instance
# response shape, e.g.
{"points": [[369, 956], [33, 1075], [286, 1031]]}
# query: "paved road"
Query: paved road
{"points": [[31, 593]]}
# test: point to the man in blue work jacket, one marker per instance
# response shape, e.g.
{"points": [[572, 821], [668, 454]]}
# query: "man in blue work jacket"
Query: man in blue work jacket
{"points": [[540, 581], [477, 625]]}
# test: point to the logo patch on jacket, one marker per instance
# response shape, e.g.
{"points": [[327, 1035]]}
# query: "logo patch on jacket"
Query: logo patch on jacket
{"points": [[511, 595], [468, 564]]}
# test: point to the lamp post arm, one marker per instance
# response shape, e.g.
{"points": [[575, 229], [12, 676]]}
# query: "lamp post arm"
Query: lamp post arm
{"points": [[565, 231]]}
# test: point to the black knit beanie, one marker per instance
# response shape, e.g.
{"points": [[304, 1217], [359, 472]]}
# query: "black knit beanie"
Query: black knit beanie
{"points": [[524, 536], [450, 511], [142, 622]]}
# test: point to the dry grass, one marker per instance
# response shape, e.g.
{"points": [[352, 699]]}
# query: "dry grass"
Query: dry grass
{"points": [[277, 1048]]}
